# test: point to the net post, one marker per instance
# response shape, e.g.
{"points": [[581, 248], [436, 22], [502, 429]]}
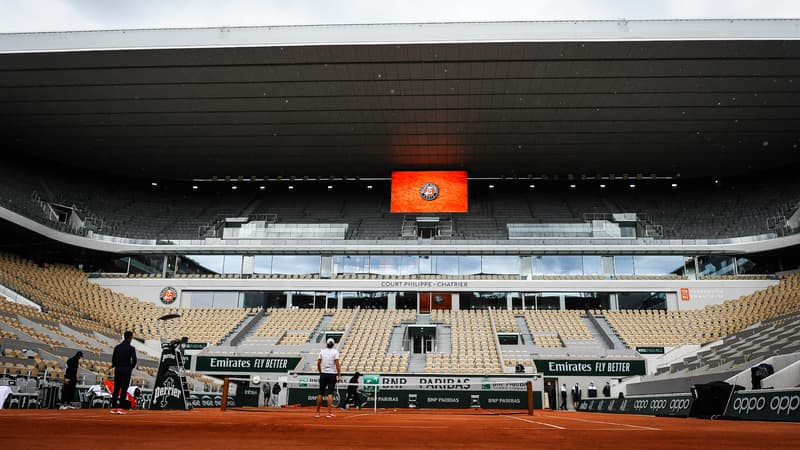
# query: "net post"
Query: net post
{"points": [[529, 385], [225, 383]]}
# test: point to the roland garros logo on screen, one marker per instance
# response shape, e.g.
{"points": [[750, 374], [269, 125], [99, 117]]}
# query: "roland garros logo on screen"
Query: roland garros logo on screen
{"points": [[168, 295], [429, 191]]}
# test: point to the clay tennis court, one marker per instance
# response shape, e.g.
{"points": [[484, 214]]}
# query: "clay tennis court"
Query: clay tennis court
{"points": [[297, 428]]}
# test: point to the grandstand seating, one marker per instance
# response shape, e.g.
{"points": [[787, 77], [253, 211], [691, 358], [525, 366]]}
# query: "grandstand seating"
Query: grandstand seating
{"points": [[68, 298], [66, 293], [281, 321], [737, 351], [341, 318], [674, 328], [473, 347], [366, 346], [177, 212], [504, 321], [551, 328]]}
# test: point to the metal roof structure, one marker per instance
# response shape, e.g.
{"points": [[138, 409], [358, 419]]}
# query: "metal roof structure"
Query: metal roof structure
{"points": [[695, 98]]}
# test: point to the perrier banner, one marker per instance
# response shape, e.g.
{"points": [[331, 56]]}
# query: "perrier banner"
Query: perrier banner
{"points": [[171, 390], [595, 367]]}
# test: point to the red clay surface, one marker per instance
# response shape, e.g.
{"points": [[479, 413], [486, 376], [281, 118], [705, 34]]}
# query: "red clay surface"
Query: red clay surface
{"points": [[408, 429]]}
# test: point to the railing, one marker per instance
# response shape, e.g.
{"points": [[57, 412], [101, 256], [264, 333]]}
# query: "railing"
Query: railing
{"points": [[408, 229], [445, 228]]}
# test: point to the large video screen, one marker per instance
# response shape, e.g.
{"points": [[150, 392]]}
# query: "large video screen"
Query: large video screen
{"points": [[424, 192]]}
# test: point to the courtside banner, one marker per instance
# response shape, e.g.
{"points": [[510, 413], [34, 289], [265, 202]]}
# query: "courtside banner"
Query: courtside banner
{"points": [[429, 192], [598, 367], [244, 364], [676, 405], [434, 391], [774, 404]]}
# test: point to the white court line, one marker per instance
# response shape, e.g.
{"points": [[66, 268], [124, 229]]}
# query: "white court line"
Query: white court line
{"points": [[357, 415], [533, 421], [329, 424], [607, 423]]}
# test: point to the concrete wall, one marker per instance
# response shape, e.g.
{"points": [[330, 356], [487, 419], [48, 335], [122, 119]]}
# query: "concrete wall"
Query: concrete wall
{"points": [[788, 377]]}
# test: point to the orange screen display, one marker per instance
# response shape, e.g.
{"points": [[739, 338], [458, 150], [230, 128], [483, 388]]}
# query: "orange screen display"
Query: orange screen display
{"points": [[422, 192]]}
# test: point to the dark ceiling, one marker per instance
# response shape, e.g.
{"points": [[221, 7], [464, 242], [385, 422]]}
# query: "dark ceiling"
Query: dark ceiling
{"points": [[702, 108]]}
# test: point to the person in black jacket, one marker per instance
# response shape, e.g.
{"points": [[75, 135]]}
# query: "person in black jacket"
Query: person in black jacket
{"points": [[70, 380], [352, 393], [122, 361], [576, 396]]}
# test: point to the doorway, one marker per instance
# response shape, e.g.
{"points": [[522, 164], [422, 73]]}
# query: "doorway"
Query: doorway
{"points": [[553, 393], [421, 339], [434, 300]]}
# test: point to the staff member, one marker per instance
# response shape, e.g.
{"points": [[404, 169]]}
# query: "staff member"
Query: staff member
{"points": [[352, 393], [123, 362], [329, 373], [70, 380]]}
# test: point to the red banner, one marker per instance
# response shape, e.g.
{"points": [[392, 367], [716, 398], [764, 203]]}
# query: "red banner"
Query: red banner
{"points": [[423, 192]]}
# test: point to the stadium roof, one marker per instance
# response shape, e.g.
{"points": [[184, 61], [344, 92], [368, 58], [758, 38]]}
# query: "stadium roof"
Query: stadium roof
{"points": [[696, 98]]}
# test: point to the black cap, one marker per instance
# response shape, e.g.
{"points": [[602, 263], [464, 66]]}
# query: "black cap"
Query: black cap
{"points": [[357, 374], [79, 354]]}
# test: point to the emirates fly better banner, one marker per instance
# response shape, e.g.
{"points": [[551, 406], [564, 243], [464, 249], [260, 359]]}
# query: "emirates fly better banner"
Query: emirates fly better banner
{"points": [[429, 192]]}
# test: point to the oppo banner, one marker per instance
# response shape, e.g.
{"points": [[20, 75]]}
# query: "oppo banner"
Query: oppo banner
{"points": [[676, 405], [778, 405]]}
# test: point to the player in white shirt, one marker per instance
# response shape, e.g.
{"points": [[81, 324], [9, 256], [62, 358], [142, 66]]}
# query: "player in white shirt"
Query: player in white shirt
{"points": [[330, 371]]}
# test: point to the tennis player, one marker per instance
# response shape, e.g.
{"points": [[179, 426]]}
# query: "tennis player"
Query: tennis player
{"points": [[330, 371]]}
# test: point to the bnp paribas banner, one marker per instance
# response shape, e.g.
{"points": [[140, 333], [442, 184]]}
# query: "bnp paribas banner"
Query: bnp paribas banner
{"points": [[595, 367], [774, 404], [433, 391], [243, 364]]}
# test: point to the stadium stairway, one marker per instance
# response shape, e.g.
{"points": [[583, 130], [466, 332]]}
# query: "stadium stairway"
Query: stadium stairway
{"points": [[600, 336], [417, 363], [604, 331], [396, 338], [245, 329]]}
